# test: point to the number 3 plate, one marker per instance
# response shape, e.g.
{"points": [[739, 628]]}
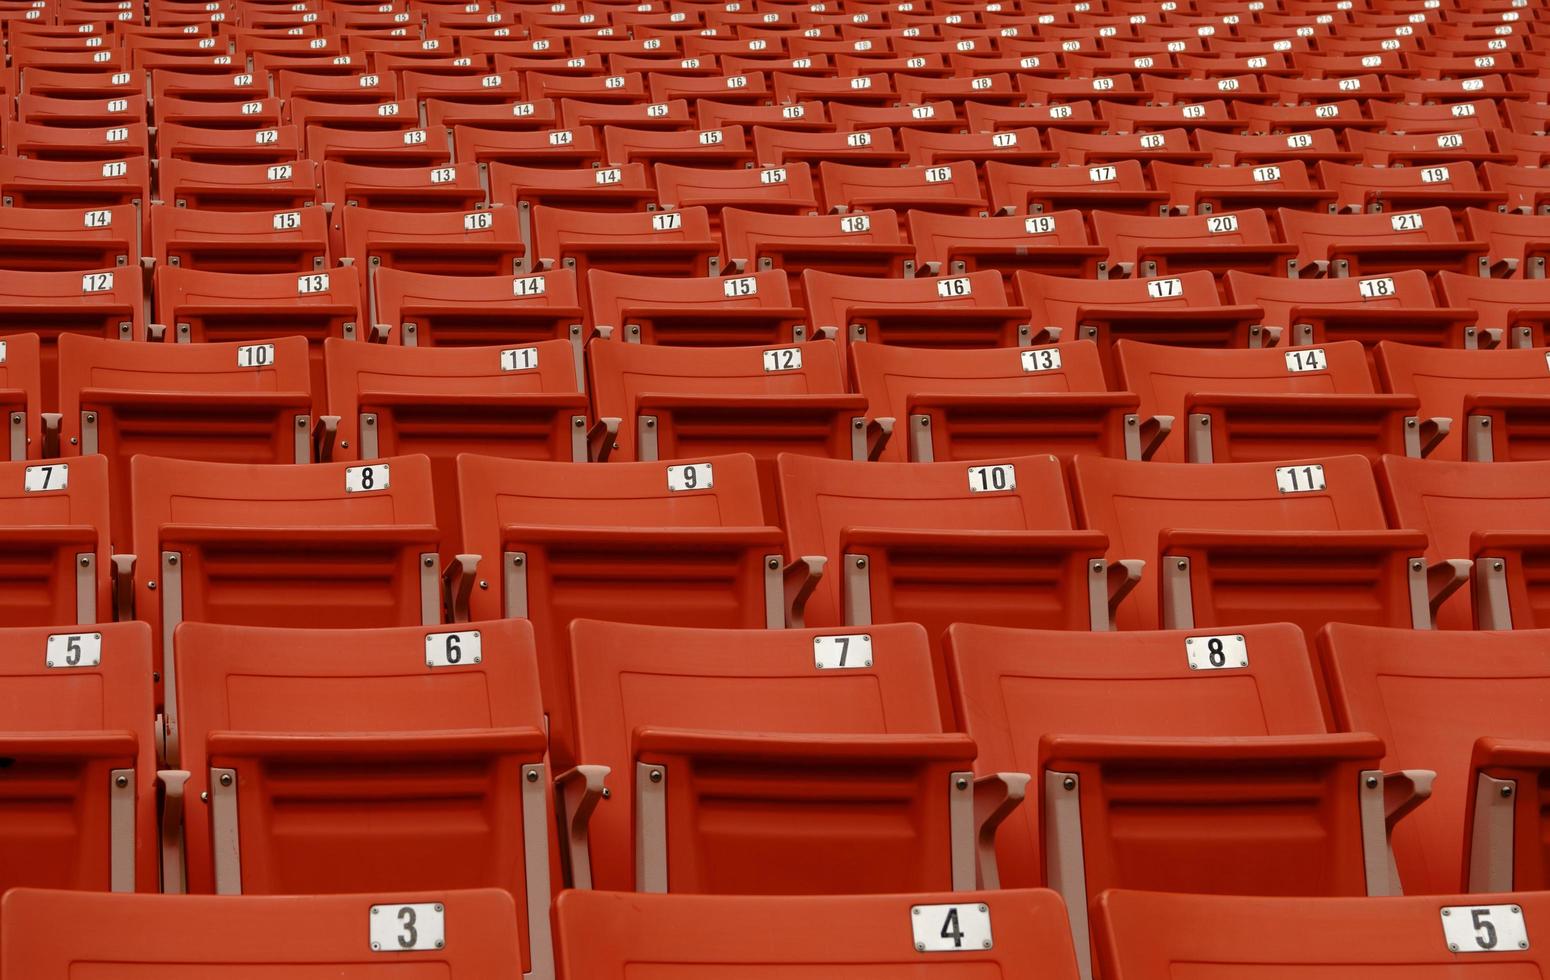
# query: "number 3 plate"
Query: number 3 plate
{"points": [[405, 928], [951, 928]]}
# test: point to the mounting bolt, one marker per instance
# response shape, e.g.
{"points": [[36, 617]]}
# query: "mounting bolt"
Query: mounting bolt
{"points": [[856, 424], [1415, 566], [484, 584], [1098, 566], [860, 562], [85, 561], [370, 420], [1204, 421], [1409, 423], [1506, 792], [1182, 564], [1496, 566], [924, 422], [301, 423], [578, 423], [1485, 423], [225, 779], [516, 559], [532, 775], [1069, 783], [962, 783], [656, 775], [172, 559], [151, 586], [607, 793], [1372, 782], [773, 563], [428, 561], [438, 907], [651, 423], [121, 781]]}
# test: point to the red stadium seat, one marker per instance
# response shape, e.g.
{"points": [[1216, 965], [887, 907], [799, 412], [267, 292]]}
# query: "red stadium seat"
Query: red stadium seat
{"points": [[1250, 149], [485, 242], [1152, 936], [721, 147], [1116, 186], [1499, 401], [424, 310], [287, 186], [1160, 760], [240, 241], [183, 937], [554, 538], [776, 147], [1513, 311], [829, 934], [106, 302], [1239, 543], [54, 519], [1468, 706], [661, 243], [950, 188], [1394, 305], [1237, 406], [21, 398], [585, 188], [221, 402], [1369, 244], [1453, 184], [49, 238], [787, 189], [444, 726], [1212, 189], [962, 311], [701, 312], [1056, 243], [1151, 246], [711, 739]]}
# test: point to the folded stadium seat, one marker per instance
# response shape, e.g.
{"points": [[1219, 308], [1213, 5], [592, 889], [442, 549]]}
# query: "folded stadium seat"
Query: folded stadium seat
{"points": [[240, 241], [701, 312], [860, 89], [183, 937], [54, 518], [1238, 406], [863, 147], [961, 311], [79, 185], [1394, 306], [81, 110], [1119, 186], [329, 545], [389, 116], [799, 117], [475, 89], [1272, 120], [927, 148], [1446, 117], [1498, 399], [940, 117], [748, 87], [521, 402], [1299, 91], [106, 302], [1152, 936], [1485, 513], [377, 147], [950, 188], [77, 144], [1488, 741], [1237, 543], [1184, 310], [939, 543], [981, 118], [950, 936], [1466, 146], [661, 243], [1368, 244], [557, 148], [1308, 146], [482, 242], [224, 402], [1056, 243], [1160, 760], [722, 147], [555, 539], [238, 187], [713, 740], [445, 187], [427, 310], [253, 141], [1527, 118], [1227, 240], [1526, 190], [787, 189], [1168, 145], [1515, 310], [1517, 244], [1222, 78], [1362, 188], [509, 115], [655, 115], [593, 86], [21, 399], [1218, 187], [442, 728], [860, 244], [586, 188], [1198, 116], [1048, 89], [978, 404], [79, 797], [59, 239]]}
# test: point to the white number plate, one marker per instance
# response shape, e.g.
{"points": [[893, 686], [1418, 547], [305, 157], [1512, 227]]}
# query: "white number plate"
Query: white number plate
{"points": [[519, 359], [452, 649], [737, 288], [255, 355], [783, 359], [992, 479], [96, 282], [363, 479], [1041, 359], [954, 288], [478, 221], [1216, 652], [73, 650], [1406, 222], [52, 476], [667, 221], [1310, 359], [1300, 479], [1218, 224], [690, 476], [1375, 288], [1164, 288], [951, 928], [846, 652], [1041, 224], [403, 928], [1484, 928], [316, 282]]}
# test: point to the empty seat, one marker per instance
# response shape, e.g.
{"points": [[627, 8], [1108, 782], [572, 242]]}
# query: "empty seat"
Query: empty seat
{"points": [[330, 545], [711, 738], [701, 312], [238, 187], [1161, 760], [1056, 243], [1360, 188], [426, 310], [1421, 149], [776, 147], [931, 935], [443, 726], [960, 311], [681, 544], [50, 238], [107, 302], [1151, 936], [1513, 312], [724, 146], [222, 402], [21, 398], [1499, 400], [1154, 245], [442, 187], [258, 141], [240, 241], [1308, 146], [938, 543], [55, 525], [1525, 189], [182, 937], [787, 189], [558, 148], [1115, 186], [662, 243], [1517, 244], [1395, 305], [486, 242], [851, 244], [78, 802], [1212, 189], [982, 404], [1486, 514], [950, 188], [1470, 706], [1306, 542], [1369, 244], [622, 188], [1235, 406]]}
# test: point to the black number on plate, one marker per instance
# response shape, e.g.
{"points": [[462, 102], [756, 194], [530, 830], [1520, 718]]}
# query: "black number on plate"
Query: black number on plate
{"points": [[951, 929], [1485, 929], [411, 935]]}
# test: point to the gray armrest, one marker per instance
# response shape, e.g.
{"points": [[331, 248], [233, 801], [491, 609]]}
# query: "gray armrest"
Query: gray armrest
{"points": [[578, 792], [1433, 431], [123, 588], [458, 579], [878, 432], [1444, 578], [600, 439], [1124, 575], [801, 577], [52, 421], [1153, 431], [324, 431], [1403, 791], [172, 873], [995, 797]]}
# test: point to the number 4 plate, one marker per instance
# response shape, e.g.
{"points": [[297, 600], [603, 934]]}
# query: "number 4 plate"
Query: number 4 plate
{"points": [[405, 928], [1484, 928], [951, 928]]}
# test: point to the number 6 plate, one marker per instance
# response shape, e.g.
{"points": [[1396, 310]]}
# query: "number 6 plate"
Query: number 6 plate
{"points": [[453, 649], [1484, 928], [951, 928]]}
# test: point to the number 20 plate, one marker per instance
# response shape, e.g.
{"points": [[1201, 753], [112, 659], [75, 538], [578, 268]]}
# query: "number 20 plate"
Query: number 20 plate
{"points": [[951, 928], [1484, 928]]}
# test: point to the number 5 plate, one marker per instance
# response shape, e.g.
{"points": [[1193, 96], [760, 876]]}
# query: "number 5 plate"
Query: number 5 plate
{"points": [[1484, 928]]}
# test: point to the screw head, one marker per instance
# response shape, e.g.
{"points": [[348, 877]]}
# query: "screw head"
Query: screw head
{"points": [[1506, 792], [1496, 566], [578, 423], [429, 561], [1415, 566], [962, 783], [121, 781], [172, 559], [438, 907], [656, 775], [1409, 423], [85, 561], [607, 793], [1204, 422], [856, 424], [1069, 783], [225, 779], [532, 775], [924, 422], [1372, 782], [773, 563], [860, 562], [1485, 423], [516, 559], [1182, 565], [920, 947], [370, 420]]}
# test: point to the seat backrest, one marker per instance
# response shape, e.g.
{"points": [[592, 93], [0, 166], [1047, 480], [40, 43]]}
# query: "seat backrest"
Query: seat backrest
{"points": [[55, 515], [1314, 234], [831, 296], [69, 238], [1124, 234], [464, 243], [1452, 500], [1012, 687], [229, 305], [1430, 695], [1279, 296], [182, 937], [240, 241], [1134, 502], [936, 235], [77, 709], [616, 295], [1157, 936], [21, 393], [427, 309], [1354, 184], [745, 231], [606, 935], [1496, 300], [559, 233], [1444, 379], [626, 677], [1057, 301], [787, 188], [1232, 148]]}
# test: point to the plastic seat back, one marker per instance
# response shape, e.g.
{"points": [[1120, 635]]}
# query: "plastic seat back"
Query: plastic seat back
{"points": [[241, 241], [430, 310], [1496, 398], [54, 515], [700, 312], [461, 243]]}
